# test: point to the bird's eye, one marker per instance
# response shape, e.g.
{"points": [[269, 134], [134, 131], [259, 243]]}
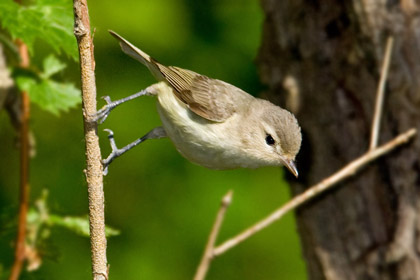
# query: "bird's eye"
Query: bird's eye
{"points": [[269, 140]]}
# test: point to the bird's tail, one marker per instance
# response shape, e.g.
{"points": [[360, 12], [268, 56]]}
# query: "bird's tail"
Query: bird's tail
{"points": [[139, 55]]}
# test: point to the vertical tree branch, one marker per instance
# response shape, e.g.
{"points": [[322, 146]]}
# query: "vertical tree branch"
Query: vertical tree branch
{"points": [[94, 168], [24, 172]]}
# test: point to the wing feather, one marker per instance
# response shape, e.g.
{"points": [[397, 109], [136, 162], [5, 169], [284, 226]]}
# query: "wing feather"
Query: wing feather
{"points": [[209, 98]]}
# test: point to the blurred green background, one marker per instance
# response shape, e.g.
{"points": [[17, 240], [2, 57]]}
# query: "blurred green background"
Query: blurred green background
{"points": [[163, 204]]}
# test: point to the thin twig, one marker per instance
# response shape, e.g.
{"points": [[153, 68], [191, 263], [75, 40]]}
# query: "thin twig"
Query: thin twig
{"points": [[94, 170], [380, 95], [24, 173], [321, 187], [208, 252]]}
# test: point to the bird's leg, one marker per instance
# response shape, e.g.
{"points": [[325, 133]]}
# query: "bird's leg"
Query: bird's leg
{"points": [[103, 113], [155, 133]]}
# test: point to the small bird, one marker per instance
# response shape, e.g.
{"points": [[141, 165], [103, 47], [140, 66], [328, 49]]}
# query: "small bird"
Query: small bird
{"points": [[211, 122]]}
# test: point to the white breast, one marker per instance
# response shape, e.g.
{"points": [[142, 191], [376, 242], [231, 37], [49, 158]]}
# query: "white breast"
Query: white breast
{"points": [[210, 144]]}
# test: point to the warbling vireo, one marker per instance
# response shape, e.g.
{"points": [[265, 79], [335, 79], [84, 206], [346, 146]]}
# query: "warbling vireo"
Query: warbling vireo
{"points": [[212, 123]]}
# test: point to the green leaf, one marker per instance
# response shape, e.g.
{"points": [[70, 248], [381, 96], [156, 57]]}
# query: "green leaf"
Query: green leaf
{"points": [[39, 217], [50, 95], [48, 20], [79, 225], [52, 66]]}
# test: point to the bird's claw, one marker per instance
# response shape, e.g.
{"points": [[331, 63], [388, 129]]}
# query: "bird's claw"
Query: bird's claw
{"points": [[101, 115], [115, 152]]}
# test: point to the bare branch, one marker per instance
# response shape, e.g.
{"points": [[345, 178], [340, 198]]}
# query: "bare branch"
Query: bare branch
{"points": [[94, 168], [380, 95], [319, 188], [24, 172], [208, 253]]}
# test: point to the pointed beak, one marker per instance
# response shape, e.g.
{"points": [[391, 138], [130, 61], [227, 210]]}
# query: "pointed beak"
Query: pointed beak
{"points": [[290, 164]]}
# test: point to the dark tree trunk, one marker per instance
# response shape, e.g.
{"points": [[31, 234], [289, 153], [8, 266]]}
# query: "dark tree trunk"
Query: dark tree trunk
{"points": [[322, 59]]}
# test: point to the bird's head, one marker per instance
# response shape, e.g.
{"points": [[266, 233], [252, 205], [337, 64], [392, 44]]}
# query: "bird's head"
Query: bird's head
{"points": [[273, 135]]}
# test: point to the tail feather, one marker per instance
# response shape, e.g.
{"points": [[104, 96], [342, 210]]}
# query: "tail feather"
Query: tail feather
{"points": [[139, 55]]}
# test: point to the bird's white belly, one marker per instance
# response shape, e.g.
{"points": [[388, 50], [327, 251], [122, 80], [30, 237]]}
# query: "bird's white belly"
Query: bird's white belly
{"points": [[204, 142]]}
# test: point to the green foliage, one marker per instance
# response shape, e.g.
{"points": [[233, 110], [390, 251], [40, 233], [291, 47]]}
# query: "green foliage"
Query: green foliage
{"points": [[52, 66], [50, 95], [79, 225], [52, 22], [49, 20], [39, 228], [40, 217]]}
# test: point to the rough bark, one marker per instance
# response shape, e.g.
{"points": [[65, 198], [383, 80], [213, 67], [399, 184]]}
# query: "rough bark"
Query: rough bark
{"points": [[94, 169], [322, 59]]}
